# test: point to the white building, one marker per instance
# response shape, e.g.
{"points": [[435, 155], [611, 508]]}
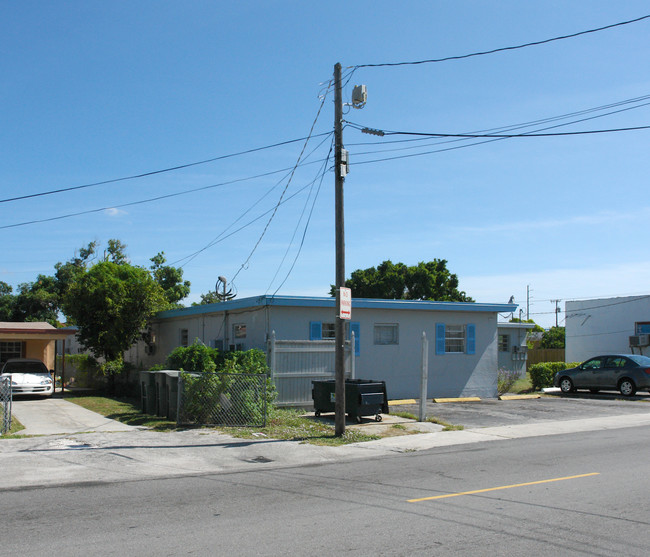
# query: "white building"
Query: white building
{"points": [[512, 347], [463, 351], [607, 326]]}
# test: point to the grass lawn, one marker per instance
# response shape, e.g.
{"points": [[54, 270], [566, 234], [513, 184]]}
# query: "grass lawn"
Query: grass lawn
{"points": [[522, 386], [15, 428], [282, 423]]}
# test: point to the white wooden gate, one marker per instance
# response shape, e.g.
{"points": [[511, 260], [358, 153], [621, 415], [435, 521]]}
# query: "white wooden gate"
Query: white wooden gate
{"points": [[296, 363]]}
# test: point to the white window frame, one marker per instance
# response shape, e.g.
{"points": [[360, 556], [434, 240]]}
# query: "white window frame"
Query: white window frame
{"points": [[504, 343], [328, 331], [239, 330], [386, 334], [455, 339]]}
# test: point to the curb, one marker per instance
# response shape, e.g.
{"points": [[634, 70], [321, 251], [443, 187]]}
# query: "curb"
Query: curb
{"points": [[518, 397], [462, 399]]}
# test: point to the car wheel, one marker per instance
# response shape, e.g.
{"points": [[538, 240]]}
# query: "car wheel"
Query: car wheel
{"points": [[627, 387], [566, 385], [594, 391]]}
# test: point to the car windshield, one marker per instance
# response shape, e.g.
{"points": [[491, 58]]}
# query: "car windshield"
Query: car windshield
{"points": [[25, 367], [641, 360]]}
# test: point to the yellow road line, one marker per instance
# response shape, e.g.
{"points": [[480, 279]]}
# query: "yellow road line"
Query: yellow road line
{"points": [[501, 487]]}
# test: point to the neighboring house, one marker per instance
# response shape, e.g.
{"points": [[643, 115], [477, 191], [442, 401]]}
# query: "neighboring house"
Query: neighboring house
{"points": [[512, 347], [606, 326], [31, 340], [463, 356]]}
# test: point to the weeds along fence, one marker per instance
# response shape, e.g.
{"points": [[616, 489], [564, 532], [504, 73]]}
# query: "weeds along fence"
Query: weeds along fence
{"points": [[5, 402], [225, 399]]}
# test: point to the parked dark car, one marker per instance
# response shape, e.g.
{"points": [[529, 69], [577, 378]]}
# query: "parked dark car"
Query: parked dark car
{"points": [[624, 372]]}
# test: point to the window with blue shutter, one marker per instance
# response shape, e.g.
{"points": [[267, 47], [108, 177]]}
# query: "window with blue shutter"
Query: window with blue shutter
{"points": [[471, 338], [440, 338], [356, 327], [315, 330]]}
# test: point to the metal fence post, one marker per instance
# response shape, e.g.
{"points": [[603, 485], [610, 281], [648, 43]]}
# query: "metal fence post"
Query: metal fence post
{"points": [[179, 399], [424, 378], [271, 349], [352, 355]]}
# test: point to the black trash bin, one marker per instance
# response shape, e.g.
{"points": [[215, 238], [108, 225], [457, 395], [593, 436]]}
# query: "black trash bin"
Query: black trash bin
{"points": [[363, 397]]}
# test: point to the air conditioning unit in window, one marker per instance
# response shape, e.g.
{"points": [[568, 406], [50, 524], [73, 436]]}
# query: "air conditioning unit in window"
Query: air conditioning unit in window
{"points": [[636, 340], [644, 340]]}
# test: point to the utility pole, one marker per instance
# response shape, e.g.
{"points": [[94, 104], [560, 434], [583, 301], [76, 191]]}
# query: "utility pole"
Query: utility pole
{"points": [[339, 327], [557, 310], [528, 301]]}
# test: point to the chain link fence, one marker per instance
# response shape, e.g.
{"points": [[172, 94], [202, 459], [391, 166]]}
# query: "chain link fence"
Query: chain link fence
{"points": [[227, 399], [5, 402]]}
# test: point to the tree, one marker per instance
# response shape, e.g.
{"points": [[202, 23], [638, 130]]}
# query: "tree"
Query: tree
{"points": [[210, 298], [6, 302], [536, 329], [553, 338], [110, 304], [37, 301], [424, 281], [170, 280]]}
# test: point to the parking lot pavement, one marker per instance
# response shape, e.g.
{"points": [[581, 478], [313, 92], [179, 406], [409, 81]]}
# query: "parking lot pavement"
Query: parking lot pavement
{"points": [[557, 407]]}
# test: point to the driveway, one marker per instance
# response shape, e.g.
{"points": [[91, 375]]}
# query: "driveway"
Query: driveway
{"points": [[55, 415]]}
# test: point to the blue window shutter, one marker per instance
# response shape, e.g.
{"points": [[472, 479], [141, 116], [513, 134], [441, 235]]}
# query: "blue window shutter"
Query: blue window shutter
{"points": [[315, 330], [440, 338], [356, 327], [471, 338]]}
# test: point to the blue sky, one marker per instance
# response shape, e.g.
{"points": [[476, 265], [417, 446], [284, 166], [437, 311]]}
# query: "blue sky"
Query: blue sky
{"points": [[94, 91]]}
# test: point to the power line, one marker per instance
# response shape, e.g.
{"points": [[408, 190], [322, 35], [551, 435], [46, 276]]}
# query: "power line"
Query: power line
{"points": [[511, 136], [188, 258], [154, 172], [243, 265], [489, 139], [304, 233], [152, 199], [503, 49]]}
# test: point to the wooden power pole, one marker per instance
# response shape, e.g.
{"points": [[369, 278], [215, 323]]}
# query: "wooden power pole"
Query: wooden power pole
{"points": [[339, 328]]}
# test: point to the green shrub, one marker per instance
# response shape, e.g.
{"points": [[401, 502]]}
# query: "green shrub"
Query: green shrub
{"points": [[541, 375], [506, 378], [196, 357], [214, 396]]}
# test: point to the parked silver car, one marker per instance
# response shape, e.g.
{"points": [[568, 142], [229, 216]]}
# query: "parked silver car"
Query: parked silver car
{"points": [[624, 372], [28, 377]]}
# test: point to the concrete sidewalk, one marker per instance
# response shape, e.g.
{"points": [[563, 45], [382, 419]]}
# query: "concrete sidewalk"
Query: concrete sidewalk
{"points": [[133, 455]]}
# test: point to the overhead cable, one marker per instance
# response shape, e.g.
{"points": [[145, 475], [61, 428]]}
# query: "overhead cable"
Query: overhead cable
{"points": [[503, 49], [245, 263], [154, 172]]}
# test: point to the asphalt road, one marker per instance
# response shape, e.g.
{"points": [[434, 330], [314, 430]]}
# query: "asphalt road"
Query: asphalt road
{"points": [[575, 494]]}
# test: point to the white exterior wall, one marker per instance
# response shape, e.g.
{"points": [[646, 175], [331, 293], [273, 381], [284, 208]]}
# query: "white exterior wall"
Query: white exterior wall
{"points": [[450, 374], [514, 360], [399, 365], [602, 326]]}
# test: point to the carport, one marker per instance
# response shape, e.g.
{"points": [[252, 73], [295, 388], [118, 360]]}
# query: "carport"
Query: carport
{"points": [[31, 340]]}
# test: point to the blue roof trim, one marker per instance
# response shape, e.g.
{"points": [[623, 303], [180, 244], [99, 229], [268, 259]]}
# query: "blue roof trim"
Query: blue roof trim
{"points": [[327, 302]]}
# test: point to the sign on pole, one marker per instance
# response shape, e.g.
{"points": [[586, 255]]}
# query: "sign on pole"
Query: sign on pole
{"points": [[345, 300]]}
